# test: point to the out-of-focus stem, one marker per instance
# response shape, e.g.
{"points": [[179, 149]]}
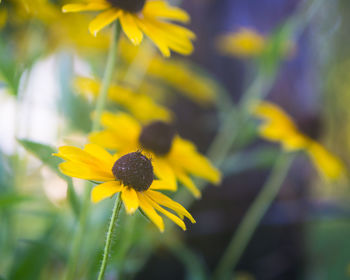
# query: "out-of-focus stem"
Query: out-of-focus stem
{"points": [[253, 217], [107, 77], [100, 104]]}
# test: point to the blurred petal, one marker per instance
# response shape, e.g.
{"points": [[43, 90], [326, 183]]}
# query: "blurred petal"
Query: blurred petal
{"points": [[103, 19], [161, 9], [327, 164], [84, 7], [187, 181], [130, 28], [192, 161], [164, 172]]}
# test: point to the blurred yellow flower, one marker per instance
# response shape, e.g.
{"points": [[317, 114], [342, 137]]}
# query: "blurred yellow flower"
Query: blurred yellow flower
{"points": [[243, 43], [138, 17], [56, 30], [277, 126], [176, 73], [3, 18], [131, 175], [139, 104], [70, 31], [173, 158]]}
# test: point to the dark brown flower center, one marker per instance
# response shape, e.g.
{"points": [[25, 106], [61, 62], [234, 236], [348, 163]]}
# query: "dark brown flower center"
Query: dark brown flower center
{"points": [[134, 170], [132, 6], [157, 137]]}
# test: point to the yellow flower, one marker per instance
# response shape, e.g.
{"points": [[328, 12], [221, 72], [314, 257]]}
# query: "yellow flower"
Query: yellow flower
{"points": [[140, 105], [173, 157], [248, 43], [3, 18], [131, 175], [243, 43], [138, 17], [176, 73], [277, 126]]}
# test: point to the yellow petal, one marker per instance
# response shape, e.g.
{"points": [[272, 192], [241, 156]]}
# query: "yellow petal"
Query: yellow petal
{"points": [[100, 153], [277, 126], [86, 86], [169, 203], [188, 183], [69, 8], [171, 216], [168, 36], [111, 140], [162, 185], [150, 212], [327, 164], [82, 157], [130, 28], [103, 19], [164, 172], [105, 190], [158, 40], [86, 172], [130, 199], [193, 162], [121, 122], [162, 10]]}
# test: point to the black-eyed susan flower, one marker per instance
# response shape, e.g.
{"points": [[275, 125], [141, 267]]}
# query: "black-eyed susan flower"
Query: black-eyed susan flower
{"points": [[139, 104], [277, 126], [130, 174], [172, 157], [139, 17]]}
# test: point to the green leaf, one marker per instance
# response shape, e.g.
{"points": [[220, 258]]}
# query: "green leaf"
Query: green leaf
{"points": [[12, 199], [44, 153]]}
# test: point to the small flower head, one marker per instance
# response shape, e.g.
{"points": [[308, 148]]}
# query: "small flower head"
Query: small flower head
{"points": [[243, 43], [157, 137], [134, 170], [277, 126], [131, 175]]}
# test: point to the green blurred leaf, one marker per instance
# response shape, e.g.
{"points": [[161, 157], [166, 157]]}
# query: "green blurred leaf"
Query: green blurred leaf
{"points": [[44, 153], [9, 70], [12, 199], [31, 257]]}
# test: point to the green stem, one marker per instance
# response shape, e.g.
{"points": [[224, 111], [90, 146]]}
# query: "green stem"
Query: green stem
{"points": [[107, 77], [100, 104], [253, 217], [112, 223]]}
